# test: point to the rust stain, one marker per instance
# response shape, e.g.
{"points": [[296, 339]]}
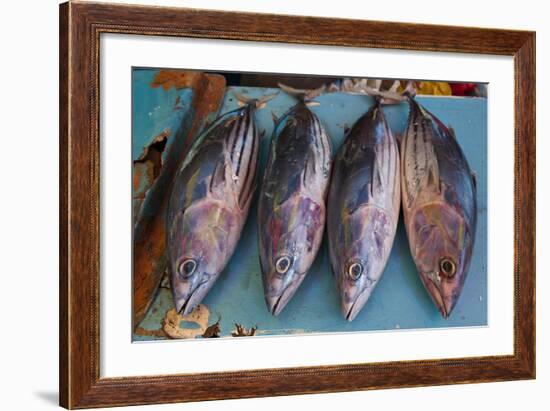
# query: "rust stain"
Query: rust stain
{"points": [[171, 324], [241, 331], [149, 260], [175, 78], [142, 332], [152, 153]]}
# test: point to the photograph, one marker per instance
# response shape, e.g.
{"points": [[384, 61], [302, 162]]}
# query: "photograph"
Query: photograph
{"points": [[275, 205], [272, 204], [260, 204]]}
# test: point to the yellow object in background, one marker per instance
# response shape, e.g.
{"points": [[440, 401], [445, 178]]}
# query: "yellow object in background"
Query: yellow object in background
{"points": [[432, 88]]}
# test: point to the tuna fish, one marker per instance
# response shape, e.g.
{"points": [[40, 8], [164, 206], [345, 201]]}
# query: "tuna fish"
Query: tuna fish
{"points": [[363, 205], [439, 205], [209, 204], [291, 215]]}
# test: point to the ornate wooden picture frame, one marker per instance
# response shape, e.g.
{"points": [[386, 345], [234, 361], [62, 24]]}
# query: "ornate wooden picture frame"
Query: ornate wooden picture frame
{"points": [[81, 25]]}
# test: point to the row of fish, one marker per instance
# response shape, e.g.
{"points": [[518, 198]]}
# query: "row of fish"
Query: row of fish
{"points": [[357, 195]]}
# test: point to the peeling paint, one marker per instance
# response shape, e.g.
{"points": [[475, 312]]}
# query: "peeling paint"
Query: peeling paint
{"points": [[142, 332], [206, 94], [146, 170], [172, 323], [175, 78]]}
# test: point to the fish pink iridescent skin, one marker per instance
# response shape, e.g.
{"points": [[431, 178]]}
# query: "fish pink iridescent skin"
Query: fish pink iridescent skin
{"points": [[291, 210], [209, 204], [439, 206], [363, 209]]}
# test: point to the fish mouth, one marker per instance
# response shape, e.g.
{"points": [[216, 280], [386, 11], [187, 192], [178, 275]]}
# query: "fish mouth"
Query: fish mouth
{"points": [[187, 305], [276, 305], [437, 297], [350, 310], [444, 312], [184, 308]]}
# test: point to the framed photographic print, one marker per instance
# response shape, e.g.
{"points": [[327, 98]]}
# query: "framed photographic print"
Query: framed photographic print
{"points": [[256, 205]]}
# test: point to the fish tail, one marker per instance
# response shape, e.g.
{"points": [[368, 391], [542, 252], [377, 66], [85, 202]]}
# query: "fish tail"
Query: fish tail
{"points": [[256, 103], [410, 90], [391, 96], [302, 95]]}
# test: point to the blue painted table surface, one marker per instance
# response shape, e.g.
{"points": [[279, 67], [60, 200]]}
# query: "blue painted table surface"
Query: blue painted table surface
{"points": [[400, 300]]}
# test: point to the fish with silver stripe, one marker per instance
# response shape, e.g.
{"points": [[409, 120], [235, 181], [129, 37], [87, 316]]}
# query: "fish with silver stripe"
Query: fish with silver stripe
{"points": [[209, 203], [292, 210], [439, 205], [363, 208]]}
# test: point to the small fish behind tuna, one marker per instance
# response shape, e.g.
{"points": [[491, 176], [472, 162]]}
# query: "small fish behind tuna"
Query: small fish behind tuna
{"points": [[363, 208], [209, 204], [291, 215], [439, 205]]}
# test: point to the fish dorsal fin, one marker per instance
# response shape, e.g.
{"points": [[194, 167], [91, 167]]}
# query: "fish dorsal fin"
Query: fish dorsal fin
{"points": [[452, 132], [275, 118]]}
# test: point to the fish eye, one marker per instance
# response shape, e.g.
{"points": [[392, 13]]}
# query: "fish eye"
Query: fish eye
{"points": [[355, 270], [283, 264], [187, 267], [447, 267]]}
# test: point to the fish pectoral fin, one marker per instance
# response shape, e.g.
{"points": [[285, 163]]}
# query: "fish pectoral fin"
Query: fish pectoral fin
{"points": [[218, 177], [376, 181], [310, 169], [433, 179], [433, 173]]}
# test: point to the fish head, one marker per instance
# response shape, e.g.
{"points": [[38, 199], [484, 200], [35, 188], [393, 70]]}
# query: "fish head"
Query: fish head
{"points": [[197, 254], [290, 243], [281, 279], [441, 244], [368, 238]]}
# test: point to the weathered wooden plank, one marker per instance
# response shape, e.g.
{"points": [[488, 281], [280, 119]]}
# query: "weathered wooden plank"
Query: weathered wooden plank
{"points": [[154, 170]]}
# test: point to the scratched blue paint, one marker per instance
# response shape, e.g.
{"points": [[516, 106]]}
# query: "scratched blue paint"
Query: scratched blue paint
{"points": [[155, 110], [400, 300]]}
